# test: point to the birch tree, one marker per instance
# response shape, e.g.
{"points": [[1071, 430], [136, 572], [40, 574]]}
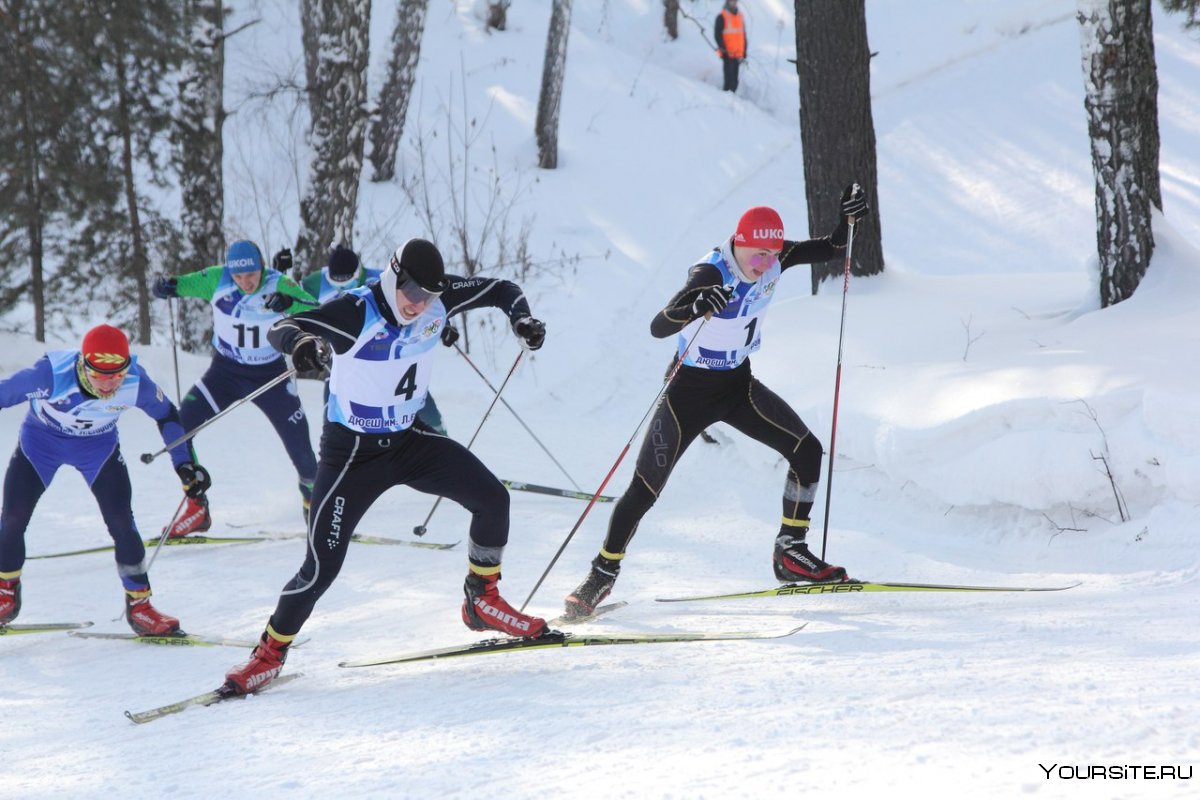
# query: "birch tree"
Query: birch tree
{"points": [[388, 126], [337, 92], [1121, 100], [553, 70]]}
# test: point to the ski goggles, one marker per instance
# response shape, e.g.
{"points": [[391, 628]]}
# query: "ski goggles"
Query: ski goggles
{"points": [[106, 365], [408, 286], [103, 381]]}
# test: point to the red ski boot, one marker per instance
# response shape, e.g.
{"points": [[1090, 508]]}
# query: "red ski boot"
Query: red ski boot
{"points": [[10, 599], [265, 663], [193, 518], [485, 610], [146, 620], [793, 561]]}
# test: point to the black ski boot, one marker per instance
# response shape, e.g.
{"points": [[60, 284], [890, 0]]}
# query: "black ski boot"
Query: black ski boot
{"points": [[793, 561], [595, 587]]}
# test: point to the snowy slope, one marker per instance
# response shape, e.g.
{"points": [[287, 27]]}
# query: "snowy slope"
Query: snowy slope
{"points": [[980, 384]]}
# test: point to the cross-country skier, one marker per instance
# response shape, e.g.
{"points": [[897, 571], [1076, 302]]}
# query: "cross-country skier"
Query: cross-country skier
{"points": [[343, 273], [727, 292], [243, 360], [75, 398], [380, 340]]}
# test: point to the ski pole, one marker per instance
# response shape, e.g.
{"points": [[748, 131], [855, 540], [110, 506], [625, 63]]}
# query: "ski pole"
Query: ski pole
{"points": [[148, 457], [420, 529], [545, 449], [654, 405], [837, 387], [166, 532], [174, 350]]}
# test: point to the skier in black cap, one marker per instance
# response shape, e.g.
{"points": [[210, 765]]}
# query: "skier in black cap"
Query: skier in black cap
{"points": [[343, 273], [378, 341]]}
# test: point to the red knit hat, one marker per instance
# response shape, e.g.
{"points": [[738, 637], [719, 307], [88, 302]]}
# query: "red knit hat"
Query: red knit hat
{"points": [[760, 227], [105, 349]]}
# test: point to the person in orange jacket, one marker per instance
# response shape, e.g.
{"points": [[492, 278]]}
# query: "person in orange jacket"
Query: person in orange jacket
{"points": [[730, 34]]}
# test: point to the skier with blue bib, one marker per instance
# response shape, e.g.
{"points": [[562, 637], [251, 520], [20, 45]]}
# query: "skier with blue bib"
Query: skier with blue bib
{"points": [[343, 273], [75, 398], [244, 360], [379, 341], [723, 305]]}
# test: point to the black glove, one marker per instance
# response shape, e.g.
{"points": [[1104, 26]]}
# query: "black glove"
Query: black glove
{"points": [[195, 478], [164, 287], [311, 353], [711, 300], [532, 332], [277, 302], [449, 335], [854, 202], [282, 261]]}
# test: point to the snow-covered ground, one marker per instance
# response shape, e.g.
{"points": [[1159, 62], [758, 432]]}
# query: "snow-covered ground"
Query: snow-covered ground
{"points": [[981, 387]]}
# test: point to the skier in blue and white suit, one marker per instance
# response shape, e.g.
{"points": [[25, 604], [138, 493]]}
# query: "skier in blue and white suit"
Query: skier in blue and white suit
{"points": [[719, 312], [345, 273], [380, 340], [75, 398]]}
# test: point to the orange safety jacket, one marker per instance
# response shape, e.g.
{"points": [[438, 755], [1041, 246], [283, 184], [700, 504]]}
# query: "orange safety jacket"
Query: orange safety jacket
{"points": [[733, 37]]}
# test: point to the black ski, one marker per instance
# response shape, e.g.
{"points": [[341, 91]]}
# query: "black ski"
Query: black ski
{"points": [[560, 639], [206, 699], [567, 619], [857, 587], [550, 490], [44, 627]]}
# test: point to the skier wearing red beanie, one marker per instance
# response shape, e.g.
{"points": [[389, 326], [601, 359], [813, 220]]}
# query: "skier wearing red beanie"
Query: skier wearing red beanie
{"points": [[74, 399], [717, 318]]}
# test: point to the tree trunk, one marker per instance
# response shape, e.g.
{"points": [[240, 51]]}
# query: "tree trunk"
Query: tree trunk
{"points": [[34, 220], [1121, 99], [338, 104], [553, 70], [671, 18], [136, 269], [497, 14], [833, 61], [311, 16], [198, 129], [397, 88]]}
